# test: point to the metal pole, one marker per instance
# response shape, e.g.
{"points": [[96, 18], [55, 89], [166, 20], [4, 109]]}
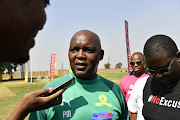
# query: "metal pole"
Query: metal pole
{"points": [[31, 65]]}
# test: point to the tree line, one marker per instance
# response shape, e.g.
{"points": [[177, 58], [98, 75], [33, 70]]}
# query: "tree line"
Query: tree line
{"points": [[107, 65]]}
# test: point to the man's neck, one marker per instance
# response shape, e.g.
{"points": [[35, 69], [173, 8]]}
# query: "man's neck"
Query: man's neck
{"points": [[138, 75]]}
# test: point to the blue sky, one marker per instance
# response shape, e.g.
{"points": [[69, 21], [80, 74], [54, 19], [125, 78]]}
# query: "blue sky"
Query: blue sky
{"points": [[105, 18]]}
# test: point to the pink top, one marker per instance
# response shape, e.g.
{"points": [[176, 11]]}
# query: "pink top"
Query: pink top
{"points": [[127, 84]]}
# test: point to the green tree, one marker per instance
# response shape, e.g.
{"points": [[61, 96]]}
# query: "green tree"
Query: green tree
{"points": [[107, 65], [8, 68], [118, 65]]}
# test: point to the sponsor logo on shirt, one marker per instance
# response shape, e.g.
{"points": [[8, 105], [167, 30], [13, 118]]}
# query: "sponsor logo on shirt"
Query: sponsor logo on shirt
{"points": [[68, 102], [162, 101], [103, 101], [67, 113]]}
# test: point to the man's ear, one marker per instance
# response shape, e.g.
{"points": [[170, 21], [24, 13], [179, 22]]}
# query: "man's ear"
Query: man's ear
{"points": [[178, 56], [101, 54]]}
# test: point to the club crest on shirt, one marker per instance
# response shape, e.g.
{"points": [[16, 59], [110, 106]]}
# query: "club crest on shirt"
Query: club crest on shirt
{"points": [[103, 101]]}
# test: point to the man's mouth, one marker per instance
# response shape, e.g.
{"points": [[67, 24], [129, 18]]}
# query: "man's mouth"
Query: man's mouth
{"points": [[81, 66], [32, 43], [33, 40], [136, 69]]}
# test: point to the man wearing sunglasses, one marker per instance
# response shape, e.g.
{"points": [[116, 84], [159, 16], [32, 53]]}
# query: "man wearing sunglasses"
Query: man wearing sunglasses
{"points": [[128, 81], [161, 94]]}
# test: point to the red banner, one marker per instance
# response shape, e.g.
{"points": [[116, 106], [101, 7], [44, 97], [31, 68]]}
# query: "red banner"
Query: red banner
{"points": [[52, 65], [128, 47]]}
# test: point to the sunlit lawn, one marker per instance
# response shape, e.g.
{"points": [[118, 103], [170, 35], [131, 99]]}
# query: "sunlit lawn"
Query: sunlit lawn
{"points": [[13, 91], [115, 77]]}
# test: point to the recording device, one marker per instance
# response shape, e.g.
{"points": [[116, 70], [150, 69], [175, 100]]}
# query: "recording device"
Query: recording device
{"points": [[65, 83]]}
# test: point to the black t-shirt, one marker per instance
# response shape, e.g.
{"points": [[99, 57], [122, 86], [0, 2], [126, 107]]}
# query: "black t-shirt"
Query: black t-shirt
{"points": [[161, 102]]}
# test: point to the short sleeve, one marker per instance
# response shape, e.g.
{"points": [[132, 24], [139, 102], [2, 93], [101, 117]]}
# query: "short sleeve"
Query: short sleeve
{"points": [[132, 102], [135, 102]]}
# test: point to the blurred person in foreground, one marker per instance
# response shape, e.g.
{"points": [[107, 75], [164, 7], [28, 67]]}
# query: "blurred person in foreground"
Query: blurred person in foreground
{"points": [[127, 82], [91, 93], [20, 22], [161, 94]]}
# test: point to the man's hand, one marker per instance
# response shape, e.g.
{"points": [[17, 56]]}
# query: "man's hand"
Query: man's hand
{"points": [[133, 116], [36, 100]]}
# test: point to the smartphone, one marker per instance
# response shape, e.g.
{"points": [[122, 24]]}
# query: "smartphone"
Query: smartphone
{"points": [[66, 83]]}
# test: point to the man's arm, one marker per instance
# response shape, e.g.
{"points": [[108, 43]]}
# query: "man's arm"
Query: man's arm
{"points": [[135, 102], [34, 101], [133, 116]]}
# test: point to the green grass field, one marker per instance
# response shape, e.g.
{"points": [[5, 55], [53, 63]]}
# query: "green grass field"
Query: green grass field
{"points": [[13, 91]]}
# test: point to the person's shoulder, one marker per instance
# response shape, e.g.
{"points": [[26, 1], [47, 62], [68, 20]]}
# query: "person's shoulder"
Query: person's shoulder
{"points": [[144, 75], [54, 83], [106, 80], [109, 83], [141, 81], [126, 76]]}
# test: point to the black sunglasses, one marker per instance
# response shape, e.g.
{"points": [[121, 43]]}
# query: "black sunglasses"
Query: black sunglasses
{"points": [[138, 63], [161, 71]]}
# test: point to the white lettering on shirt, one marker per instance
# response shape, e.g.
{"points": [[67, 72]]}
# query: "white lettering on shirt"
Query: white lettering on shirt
{"points": [[162, 101]]}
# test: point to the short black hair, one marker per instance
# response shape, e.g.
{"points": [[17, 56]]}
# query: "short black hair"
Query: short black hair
{"points": [[160, 42]]}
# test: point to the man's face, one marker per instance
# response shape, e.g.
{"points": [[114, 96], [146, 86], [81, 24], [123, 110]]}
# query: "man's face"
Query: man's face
{"points": [[20, 22], [137, 64], [84, 56], [167, 69]]}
